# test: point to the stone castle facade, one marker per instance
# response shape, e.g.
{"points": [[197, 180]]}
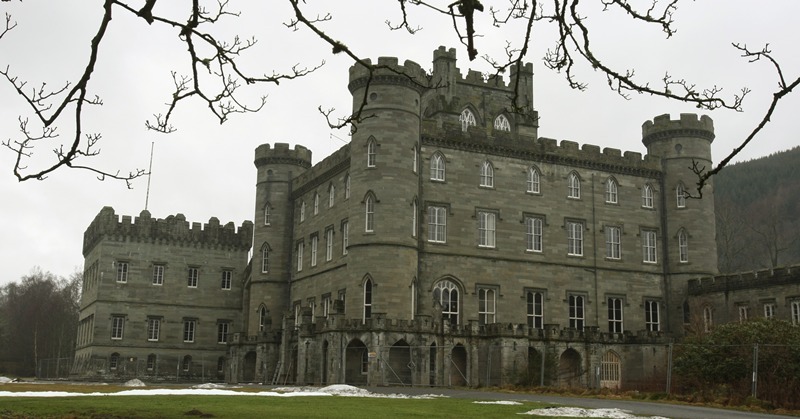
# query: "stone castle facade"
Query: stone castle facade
{"points": [[446, 244]]}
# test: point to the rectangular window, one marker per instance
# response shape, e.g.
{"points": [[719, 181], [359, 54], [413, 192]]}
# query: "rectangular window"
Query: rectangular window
{"points": [[437, 224], [226, 280], [314, 242], [299, 257], [574, 238], [326, 305], [744, 313], [533, 234], [414, 219], [345, 236], [192, 278], [188, 330], [329, 244], [576, 317], [153, 329], [649, 246], [613, 242], [795, 312], [486, 229], [316, 204], [486, 306], [122, 272], [535, 303], [331, 196], [117, 326], [614, 315], [769, 310], [158, 274], [222, 332], [651, 316], [302, 211]]}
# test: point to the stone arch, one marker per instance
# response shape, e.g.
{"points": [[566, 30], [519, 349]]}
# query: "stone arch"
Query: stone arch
{"points": [[569, 368], [533, 376], [325, 348], [356, 362], [458, 366], [400, 364], [249, 368], [610, 371]]}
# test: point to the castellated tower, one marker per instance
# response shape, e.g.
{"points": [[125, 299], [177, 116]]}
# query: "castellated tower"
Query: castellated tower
{"points": [[385, 187], [688, 224], [273, 236]]}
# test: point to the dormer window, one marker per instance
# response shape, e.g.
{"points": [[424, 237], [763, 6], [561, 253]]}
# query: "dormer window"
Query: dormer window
{"points": [[467, 120]]}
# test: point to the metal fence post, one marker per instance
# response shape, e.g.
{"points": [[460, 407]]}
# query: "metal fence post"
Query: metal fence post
{"points": [[755, 371], [669, 369]]}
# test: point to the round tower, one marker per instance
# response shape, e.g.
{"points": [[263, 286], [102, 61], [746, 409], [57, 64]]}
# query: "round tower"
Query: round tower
{"points": [[688, 233], [385, 185], [272, 236]]}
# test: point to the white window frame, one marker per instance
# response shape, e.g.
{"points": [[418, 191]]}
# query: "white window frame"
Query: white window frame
{"points": [[367, 306], [612, 196], [487, 226], [371, 152], [467, 119], [331, 195], [534, 301], [795, 306], [649, 246], [647, 196], [652, 315], [683, 246], [117, 327], [223, 328], [487, 175], [448, 295], [414, 218], [501, 123], [680, 196], [300, 257], [189, 327], [226, 280], [314, 245], [487, 305], [158, 274], [438, 168], [744, 313], [192, 277], [574, 238], [533, 234], [615, 307], [414, 159], [262, 318], [302, 211], [153, 329], [437, 224], [345, 236], [265, 258], [769, 310], [267, 216], [613, 242], [369, 214], [577, 311], [533, 183], [122, 272], [316, 203], [347, 187], [573, 186], [329, 244]]}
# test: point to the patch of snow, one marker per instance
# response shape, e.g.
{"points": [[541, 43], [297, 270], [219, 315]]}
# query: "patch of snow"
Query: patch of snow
{"points": [[135, 383], [506, 402], [577, 412], [4, 380], [213, 385]]}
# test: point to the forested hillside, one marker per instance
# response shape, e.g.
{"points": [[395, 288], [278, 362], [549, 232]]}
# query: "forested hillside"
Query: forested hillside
{"points": [[758, 213]]}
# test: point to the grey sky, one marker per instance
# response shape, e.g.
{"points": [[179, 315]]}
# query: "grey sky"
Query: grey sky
{"points": [[205, 170]]}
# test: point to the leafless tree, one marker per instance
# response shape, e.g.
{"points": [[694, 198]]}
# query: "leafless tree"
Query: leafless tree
{"points": [[568, 18]]}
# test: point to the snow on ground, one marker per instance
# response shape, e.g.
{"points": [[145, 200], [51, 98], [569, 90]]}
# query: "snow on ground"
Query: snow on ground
{"points": [[4, 380], [508, 402], [135, 383], [577, 412]]}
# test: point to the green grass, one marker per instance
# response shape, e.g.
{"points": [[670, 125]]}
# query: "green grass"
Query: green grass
{"points": [[251, 407]]}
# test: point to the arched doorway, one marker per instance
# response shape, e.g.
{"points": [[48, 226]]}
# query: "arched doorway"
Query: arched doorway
{"points": [[400, 364], [325, 362], [356, 362], [458, 366], [610, 371], [569, 368], [533, 377], [249, 369]]}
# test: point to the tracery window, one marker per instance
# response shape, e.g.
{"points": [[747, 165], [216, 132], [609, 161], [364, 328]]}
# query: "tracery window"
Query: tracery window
{"points": [[467, 120], [437, 167], [647, 196], [446, 294], [487, 175], [501, 123], [611, 191], [532, 184], [573, 186]]}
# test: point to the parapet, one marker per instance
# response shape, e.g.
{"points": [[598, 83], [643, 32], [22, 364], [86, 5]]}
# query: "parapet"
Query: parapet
{"points": [[689, 125], [745, 280], [387, 71], [282, 154], [322, 172], [174, 230]]}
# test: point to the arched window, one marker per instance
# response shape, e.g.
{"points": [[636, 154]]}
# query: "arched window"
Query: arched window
{"points": [[573, 186], [647, 196], [467, 120], [437, 167], [683, 246], [267, 219], [414, 218], [347, 187], [367, 299], [113, 361], [265, 258], [533, 185], [302, 211], [414, 159], [316, 203], [371, 152], [220, 365], [187, 362], [151, 362], [446, 293], [611, 191], [369, 214], [487, 174], [708, 318], [331, 195], [680, 195], [501, 123], [262, 318]]}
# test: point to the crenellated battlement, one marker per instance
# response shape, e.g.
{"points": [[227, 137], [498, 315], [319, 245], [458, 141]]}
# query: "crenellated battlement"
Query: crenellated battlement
{"points": [[322, 172], [689, 125], [173, 230], [387, 71], [444, 69], [281, 153], [746, 280]]}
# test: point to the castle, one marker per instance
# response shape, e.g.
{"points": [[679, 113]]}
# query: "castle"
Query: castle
{"points": [[446, 244]]}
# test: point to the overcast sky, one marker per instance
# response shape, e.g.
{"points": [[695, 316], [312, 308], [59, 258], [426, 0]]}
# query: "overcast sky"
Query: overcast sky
{"points": [[206, 170]]}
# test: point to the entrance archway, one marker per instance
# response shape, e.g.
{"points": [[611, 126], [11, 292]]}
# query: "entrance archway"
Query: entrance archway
{"points": [[249, 369], [400, 363], [610, 368], [325, 362], [356, 362], [458, 366], [569, 368]]}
